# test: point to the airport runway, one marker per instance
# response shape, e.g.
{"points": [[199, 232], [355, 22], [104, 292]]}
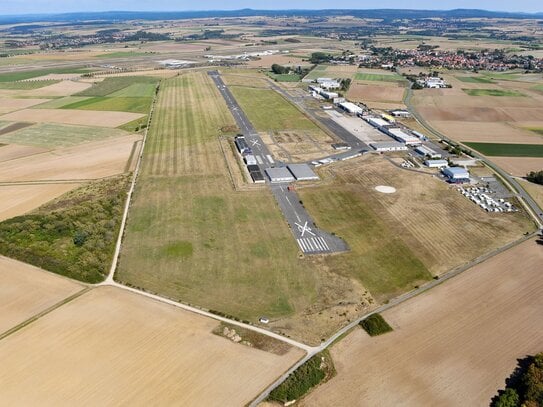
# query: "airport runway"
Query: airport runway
{"points": [[310, 239]]}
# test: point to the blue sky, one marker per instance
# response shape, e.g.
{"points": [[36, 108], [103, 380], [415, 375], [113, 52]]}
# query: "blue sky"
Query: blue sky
{"points": [[56, 6]]}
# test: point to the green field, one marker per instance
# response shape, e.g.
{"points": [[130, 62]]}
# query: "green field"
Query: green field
{"points": [[27, 85], [378, 257], [73, 235], [474, 79], [137, 90], [116, 84], [269, 111], [538, 87], [190, 236], [21, 75], [493, 92], [119, 104], [284, 77], [60, 102], [378, 77], [58, 135], [508, 150]]}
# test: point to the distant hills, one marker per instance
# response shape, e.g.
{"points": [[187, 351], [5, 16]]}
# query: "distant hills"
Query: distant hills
{"points": [[180, 15]]}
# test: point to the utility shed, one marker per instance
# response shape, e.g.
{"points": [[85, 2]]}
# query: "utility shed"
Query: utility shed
{"points": [[280, 174], [302, 172]]}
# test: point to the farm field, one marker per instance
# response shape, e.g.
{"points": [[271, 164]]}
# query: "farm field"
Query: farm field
{"points": [[59, 135], [508, 150], [119, 104], [248, 79], [20, 199], [98, 159], [492, 92], [258, 103], [59, 89], [27, 85], [129, 86], [23, 75], [519, 166], [26, 290], [364, 76], [60, 102], [180, 361], [377, 96], [79, 117], [450, 231], [332, 71], [453, 345], [535, 190], [9, 104], [192, 237]]}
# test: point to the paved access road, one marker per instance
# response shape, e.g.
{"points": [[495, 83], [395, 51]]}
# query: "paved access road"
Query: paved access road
{"points": [[310, 239]]}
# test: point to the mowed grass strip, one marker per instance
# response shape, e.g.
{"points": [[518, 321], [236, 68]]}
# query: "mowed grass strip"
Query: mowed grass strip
{"points": [[27, 85], [474, 79], [190, 236], [362, 76], [268, 110], [508, 150], [114, 104], [378, 257], [58, 135], [115, 84], [493, 92]]}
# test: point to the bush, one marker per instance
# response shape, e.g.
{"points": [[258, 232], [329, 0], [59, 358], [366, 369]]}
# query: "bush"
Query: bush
{"points": [[375, 325], [535, 177], [303, 379]]}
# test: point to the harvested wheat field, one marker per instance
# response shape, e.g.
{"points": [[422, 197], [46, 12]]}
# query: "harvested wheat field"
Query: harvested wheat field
{"points": [[452, 346], [10, 105], [519, 166], [64, 88], [85, 352], [26, 290], [440, 225], [488, 132], [364, 93], [98, 159], [14, 151], [20, 199], [80, 117]]}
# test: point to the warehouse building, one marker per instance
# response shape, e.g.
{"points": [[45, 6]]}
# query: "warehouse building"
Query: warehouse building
{"points": [[250, 159], [302, 172], [427, 152], [241, 145], [456, 174], [388, 146], [280, 174], [436, 163], [376, 122], [257, 177], [351, 108], [402, 137], [400, 113], [341, 146]]}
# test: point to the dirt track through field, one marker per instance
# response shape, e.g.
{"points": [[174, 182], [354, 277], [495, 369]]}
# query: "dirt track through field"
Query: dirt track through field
{"points": [[112, 347], [26, 290], [454, 345]]}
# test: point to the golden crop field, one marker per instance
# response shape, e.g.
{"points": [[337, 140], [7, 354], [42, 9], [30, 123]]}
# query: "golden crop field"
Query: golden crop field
{"points": [[112, 347]]}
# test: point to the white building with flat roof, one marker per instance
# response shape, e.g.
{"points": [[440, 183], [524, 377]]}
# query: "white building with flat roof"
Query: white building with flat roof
{"points": [[351, 108], [403, 137], [436, 163], [388, 146]]}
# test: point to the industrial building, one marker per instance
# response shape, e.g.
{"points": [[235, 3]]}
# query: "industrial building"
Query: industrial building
{"points": [[250, 159], [427, 152], [456, 174], [388, 146], [351, 108], [302, 172], [325, 94], [403, 137], [242, 145], [436, 163], [257, 177], [328, 83], [419, 135], [280, 174], [341, 146], [400, 113], [376, 122]]}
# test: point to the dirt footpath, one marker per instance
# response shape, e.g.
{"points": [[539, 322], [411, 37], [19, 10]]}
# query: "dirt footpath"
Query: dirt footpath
{"points": [[454, 345]]}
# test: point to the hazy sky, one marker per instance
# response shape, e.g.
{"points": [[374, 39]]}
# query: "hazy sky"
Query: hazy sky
{"points": [[56, 6]]}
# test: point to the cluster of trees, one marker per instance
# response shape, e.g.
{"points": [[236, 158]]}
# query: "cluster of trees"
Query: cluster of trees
{"points": [[279, 69], [375, 325], [525, 387], [303, 379], [535, 177], [74, 235], [320, 57]]}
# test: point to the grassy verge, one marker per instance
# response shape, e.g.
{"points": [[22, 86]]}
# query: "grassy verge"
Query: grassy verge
{"points": [[268, 110], [493, 92], [284, 77], [252, 339], [312, 373], [508, 150], [73, 235], [375, 325]]}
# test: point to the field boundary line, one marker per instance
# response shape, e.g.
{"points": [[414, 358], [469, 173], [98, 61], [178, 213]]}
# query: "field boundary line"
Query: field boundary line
{"points": [[45, 312]]}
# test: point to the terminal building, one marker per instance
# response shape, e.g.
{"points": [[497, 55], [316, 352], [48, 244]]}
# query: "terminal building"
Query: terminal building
{"points": [[388, 146]]}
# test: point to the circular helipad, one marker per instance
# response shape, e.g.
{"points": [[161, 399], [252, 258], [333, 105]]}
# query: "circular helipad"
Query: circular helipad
{"points": [[385, 189]]}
